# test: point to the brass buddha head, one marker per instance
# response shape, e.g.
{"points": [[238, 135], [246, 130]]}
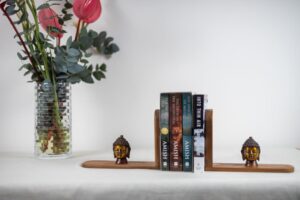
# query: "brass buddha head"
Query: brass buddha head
{"points": [[250, 152], [121, 150]]}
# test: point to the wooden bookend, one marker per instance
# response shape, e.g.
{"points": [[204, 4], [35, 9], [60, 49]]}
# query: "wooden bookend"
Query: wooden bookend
{"points": [[209, 164], [233, 167], [108, 164]]}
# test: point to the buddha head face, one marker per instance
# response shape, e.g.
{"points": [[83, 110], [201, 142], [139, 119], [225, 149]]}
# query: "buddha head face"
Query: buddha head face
{"points": [[250, 151], [120, 151], [121, 148]]}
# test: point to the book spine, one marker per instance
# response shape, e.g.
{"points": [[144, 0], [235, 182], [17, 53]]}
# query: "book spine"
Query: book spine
{"points": [[175, 118], [187, 132], [164, 132], [198, 132]]}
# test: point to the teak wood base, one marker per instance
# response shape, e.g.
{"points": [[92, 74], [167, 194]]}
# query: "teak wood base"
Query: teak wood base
{"points": [[236, 167], [232, 167], [108, 164], [209, 165]]}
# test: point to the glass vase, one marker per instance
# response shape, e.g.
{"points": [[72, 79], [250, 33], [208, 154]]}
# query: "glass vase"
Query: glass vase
{"points": [[53, 120]]}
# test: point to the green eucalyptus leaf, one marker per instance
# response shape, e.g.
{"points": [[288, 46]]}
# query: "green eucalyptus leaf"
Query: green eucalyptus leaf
{"points": [[64, 11], [83, 32], [87, 55], [55, 4], [16, 35], [102, 35], [85, 42], [34, 77], [72, 60], [22, 18], [99, 40], [26, 73], [69, 43], [74, 69], [88, 79], [60, 68], [98, 75], [112, 48], [48, 45], [67, 16], [60, 21], [75, 45], [74, 79], [84, 61], [84, 73], [21, 57], [42, 37], [11, 10], [108, 40], [53, 29], [43, 6], [73, 52], [68, 5], [92, 34], [90, 68], [26, 66], [103, 67]]}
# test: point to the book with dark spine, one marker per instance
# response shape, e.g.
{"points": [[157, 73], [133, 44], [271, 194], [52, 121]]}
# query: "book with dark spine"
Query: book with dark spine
{"points": [[198, 131], [175, 116], [164, 132], [187, 124]]}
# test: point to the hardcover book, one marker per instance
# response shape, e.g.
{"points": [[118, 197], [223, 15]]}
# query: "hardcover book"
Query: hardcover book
{"points": [[164, 132], [198, 131], [175, 119], [187, 123]]}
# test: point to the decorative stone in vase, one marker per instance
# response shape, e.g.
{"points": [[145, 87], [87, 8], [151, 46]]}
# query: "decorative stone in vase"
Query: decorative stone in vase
{"points": [[53, 128]]}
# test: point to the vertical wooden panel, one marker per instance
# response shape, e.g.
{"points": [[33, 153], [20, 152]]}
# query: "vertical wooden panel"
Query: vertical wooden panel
{"points": [[156, 139], [208, 139]]}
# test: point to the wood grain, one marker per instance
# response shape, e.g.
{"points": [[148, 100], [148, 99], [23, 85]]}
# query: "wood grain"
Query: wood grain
{"points": [[108, 164], [208, 132], [236, 167], [156, 139]]}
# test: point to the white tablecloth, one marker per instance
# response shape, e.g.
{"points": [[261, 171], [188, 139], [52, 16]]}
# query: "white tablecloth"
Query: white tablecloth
{"points": [[25, 178]]}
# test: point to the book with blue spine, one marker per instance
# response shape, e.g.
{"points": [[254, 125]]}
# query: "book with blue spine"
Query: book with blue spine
{"points": [[199, 101], [187, 127], [164, 132]]}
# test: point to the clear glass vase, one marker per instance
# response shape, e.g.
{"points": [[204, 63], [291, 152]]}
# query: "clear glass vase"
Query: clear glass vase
{"points": [[53, 126]]}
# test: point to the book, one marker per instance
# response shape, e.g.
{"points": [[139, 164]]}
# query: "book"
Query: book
{"points": [[175, 120], [164, 132], [187, 124], [199, 101]]}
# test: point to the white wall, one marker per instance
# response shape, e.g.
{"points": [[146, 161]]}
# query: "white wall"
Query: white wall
{"points": [[245, 54]]}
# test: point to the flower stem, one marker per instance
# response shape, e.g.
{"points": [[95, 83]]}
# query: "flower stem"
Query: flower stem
{"points": [[77, 30], [32, 8], [58, 41], [22, 41]]}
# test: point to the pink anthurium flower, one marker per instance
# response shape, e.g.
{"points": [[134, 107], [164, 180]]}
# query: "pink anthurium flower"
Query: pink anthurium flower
{"points": [[48, 18], [87, 11]]}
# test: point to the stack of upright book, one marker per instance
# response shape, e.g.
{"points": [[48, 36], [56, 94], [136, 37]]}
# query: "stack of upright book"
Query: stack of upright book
{"points": [[182, 131]]}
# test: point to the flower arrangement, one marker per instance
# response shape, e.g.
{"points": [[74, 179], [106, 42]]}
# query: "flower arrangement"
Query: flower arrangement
{"points": [[47, 61]]}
